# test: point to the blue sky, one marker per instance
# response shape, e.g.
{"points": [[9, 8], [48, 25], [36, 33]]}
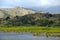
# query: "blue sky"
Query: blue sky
{"points": [[29, 3]]}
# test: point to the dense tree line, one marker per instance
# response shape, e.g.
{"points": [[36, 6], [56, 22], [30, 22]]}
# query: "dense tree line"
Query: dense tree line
{"points": [[39, 19]]}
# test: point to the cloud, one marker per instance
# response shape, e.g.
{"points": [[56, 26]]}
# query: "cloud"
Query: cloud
{"points": [[29, 3], [43, 3], [49, 3]]}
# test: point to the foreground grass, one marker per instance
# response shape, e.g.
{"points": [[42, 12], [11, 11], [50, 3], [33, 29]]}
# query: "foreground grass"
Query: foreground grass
{"points": [[32, 29]]}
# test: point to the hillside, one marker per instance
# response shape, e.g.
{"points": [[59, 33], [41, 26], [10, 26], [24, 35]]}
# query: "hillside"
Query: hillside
{"points": [[23, 16], [12, 12]]}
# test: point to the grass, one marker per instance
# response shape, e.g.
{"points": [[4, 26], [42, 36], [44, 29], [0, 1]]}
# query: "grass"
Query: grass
{"points": [[50, 31], [32, 29]]}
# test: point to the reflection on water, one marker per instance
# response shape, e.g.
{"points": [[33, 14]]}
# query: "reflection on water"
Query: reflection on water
{"points": [[49, 34], [24, 36]]}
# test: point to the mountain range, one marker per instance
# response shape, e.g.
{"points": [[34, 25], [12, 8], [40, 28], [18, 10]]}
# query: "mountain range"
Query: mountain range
{"points": [[49, 9]]}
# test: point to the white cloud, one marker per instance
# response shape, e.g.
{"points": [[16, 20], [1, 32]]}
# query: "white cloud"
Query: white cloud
{"points": [[30, 3], [44, 3]]}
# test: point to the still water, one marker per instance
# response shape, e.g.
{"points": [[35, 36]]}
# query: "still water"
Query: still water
{"points": [[24, 36]]}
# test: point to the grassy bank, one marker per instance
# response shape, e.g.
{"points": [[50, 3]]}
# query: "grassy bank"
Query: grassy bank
{"points": [[30, 29]]}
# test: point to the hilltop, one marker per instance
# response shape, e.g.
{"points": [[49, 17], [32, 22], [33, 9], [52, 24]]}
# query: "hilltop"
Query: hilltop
{"points": [[12, 12]]}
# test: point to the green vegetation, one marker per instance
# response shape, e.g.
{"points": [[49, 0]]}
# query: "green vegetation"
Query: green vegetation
{"points": [[32, 29], [37, 19]]}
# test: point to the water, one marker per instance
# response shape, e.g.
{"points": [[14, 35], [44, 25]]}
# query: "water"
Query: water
{"points": [[24, 36]]}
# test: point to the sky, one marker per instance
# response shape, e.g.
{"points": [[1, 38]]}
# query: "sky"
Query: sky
{"points": [[44, 4]]}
